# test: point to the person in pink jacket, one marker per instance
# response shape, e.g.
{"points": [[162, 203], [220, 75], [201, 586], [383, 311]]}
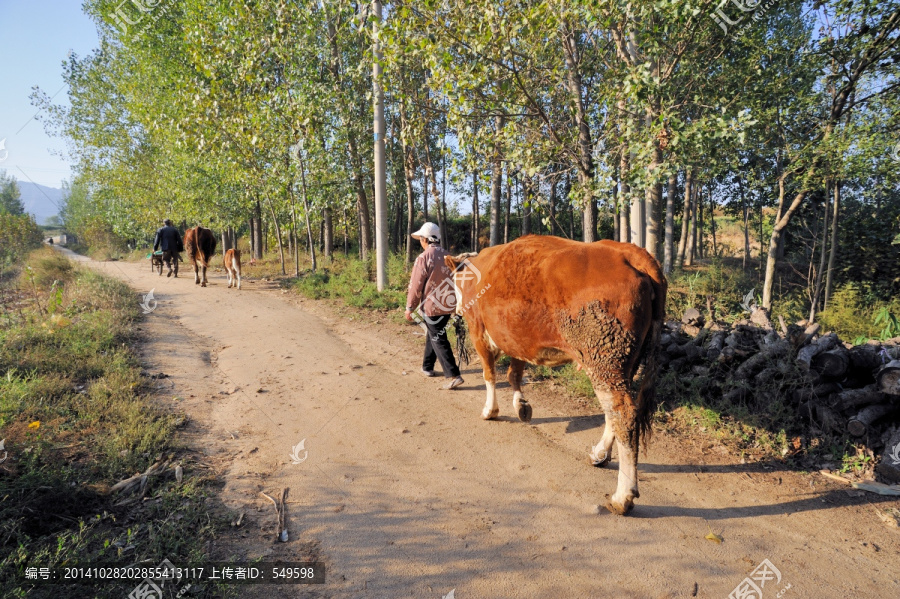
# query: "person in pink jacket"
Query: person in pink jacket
{"points": [[432, 298]]}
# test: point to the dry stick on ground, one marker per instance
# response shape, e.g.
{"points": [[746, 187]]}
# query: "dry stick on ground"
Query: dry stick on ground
{"points": [[280, 506], [140, 481]]}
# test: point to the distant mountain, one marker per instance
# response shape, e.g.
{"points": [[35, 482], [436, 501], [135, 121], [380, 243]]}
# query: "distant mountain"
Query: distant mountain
{"points": [[40, 201]]}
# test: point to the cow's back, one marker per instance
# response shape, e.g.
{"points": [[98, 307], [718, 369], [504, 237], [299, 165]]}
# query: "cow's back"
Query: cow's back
{"points": [[544, 295]]}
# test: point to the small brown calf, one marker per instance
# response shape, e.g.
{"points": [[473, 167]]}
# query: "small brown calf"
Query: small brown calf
{"points": [[233, 267]]}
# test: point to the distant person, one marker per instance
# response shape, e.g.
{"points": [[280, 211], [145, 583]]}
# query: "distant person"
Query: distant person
{"points": [[431, 295], [168, 239]]}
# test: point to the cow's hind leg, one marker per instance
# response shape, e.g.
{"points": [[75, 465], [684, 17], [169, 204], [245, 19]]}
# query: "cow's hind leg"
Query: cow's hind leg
{"points": [[522, 407], [488, 357], [237, 271], [602, 452], [625, 427], [203, 281], [196, 273]]}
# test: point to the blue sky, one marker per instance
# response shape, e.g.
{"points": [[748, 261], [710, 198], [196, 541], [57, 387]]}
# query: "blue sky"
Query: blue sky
{"points": [[35, 38]]}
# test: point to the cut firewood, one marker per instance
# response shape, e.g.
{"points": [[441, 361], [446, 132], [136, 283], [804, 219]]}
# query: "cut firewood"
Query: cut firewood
{"points": [[864, 359], [828, 420], [832, 476], [859, 424], [888, 378], [806, 354], [815, 393], [852, 399], [880, 488], [831, 364]]}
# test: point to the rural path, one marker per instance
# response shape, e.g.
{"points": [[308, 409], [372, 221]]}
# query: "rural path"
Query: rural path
{"points": [[405, 492]]}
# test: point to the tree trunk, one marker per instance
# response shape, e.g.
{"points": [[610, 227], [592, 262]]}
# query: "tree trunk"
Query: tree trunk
{"points": [[698, 206], [585, 160], [257, 244], [669, 249], [552, 205], [434, 189], [692, 235], [526, 206], [774, 243], [779, 172], [712, 222], [277, 232], [624, 209], [617, 225], [328, 233], [409, 175], [685, 216], [509, 186], [496, 190], [346, 240], [362, 203], [476, 212], [832, 255], [653, 194], [312, 247], [425, 194], [746, 215], [820, 273]]}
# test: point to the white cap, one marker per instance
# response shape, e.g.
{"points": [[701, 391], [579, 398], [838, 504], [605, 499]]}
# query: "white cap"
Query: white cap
{"points": [[429, 231]]}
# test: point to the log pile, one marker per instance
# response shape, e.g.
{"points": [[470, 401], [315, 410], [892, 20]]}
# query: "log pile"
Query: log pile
{"points": [[837, 389]]}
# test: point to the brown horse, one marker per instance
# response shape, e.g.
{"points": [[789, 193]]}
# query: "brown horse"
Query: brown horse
{"points": [[200, 245]]}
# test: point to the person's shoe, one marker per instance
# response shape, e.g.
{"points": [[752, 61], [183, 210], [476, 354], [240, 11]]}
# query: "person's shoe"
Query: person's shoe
{"points": [[169, 274], [428, 373], [453, 384]]}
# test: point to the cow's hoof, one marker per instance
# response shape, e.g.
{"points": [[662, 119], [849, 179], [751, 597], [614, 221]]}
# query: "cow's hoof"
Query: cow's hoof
{"points": [[524, 411], [620, 509], [601, 461], [203, 284], [490, 415]]}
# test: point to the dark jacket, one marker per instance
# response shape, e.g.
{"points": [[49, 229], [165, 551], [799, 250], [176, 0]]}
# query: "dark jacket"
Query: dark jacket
{"points": [[168, 238]]}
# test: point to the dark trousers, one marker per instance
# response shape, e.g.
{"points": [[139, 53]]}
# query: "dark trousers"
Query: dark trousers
{"points": [[437, 346], [169, 257]]}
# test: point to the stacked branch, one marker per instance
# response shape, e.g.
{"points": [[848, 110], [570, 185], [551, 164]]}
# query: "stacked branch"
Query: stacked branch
{"points": [[838, 389]]}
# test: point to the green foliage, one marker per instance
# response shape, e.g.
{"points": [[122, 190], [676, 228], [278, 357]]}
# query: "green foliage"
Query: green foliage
{"points": [[10, 196], [723, 281], [76, 418], [350, 280], [856, 315], [18, 235]]}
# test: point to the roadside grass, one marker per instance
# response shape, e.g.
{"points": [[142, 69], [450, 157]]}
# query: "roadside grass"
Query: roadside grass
{"points": [[76, 416], [351, 281]]}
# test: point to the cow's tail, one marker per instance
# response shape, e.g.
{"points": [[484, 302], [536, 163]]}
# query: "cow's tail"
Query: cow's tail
{"points": [[649, 354]]}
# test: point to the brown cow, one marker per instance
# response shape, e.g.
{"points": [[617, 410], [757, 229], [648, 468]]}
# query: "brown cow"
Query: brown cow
{"points": [[200, 245], [552, 301], [233, 267]]}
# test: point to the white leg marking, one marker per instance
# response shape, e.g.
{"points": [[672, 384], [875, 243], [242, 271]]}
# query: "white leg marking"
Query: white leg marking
{"points": [[491, 408], [627, 488], [237, 270], [517, 397], [602, 452]]}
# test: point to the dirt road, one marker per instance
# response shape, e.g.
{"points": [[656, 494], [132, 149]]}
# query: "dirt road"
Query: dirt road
{"points": [[405, 492]]}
